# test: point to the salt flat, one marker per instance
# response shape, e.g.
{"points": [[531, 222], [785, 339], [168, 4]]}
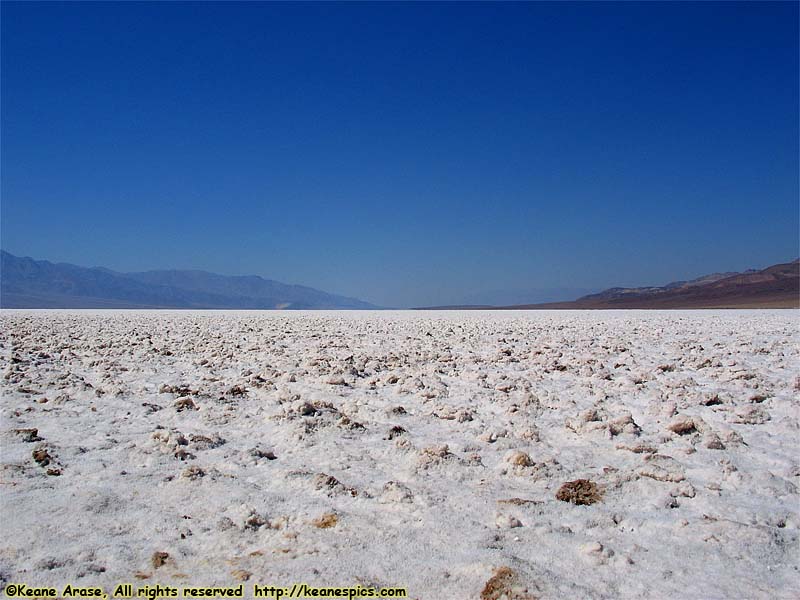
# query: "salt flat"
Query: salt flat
{"points": [[412, 449]]}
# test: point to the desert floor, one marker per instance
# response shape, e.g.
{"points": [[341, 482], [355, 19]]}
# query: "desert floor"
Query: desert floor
{"points": [[415, 449]]}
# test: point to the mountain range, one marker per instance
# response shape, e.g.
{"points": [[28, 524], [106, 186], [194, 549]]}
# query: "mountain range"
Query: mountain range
{"points": [[29, 283], [777, 286]]}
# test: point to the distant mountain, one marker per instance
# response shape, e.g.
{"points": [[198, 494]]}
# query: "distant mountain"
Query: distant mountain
{"points": [[29, 283], [640, 292], [777, 286]]}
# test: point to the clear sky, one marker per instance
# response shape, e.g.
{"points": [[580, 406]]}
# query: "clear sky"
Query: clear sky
{"points": [[407, 154]]}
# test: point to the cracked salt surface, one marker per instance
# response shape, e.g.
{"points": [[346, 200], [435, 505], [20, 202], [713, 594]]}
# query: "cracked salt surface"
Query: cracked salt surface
{"points": [[414, 449]]}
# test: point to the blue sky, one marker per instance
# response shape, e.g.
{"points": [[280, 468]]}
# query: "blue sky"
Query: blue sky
{"points": [[407, 154]]}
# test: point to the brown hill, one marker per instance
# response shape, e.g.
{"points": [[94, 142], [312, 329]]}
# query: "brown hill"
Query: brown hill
{"points": [[777, 286]]}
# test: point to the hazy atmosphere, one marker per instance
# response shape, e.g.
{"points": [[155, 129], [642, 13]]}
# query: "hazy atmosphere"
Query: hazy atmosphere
{"points": [[404, 154]]}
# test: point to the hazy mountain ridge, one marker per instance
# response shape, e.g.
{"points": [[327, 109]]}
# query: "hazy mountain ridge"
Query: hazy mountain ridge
{"points": [[29, 283], [777, 286], [619, 292]]}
